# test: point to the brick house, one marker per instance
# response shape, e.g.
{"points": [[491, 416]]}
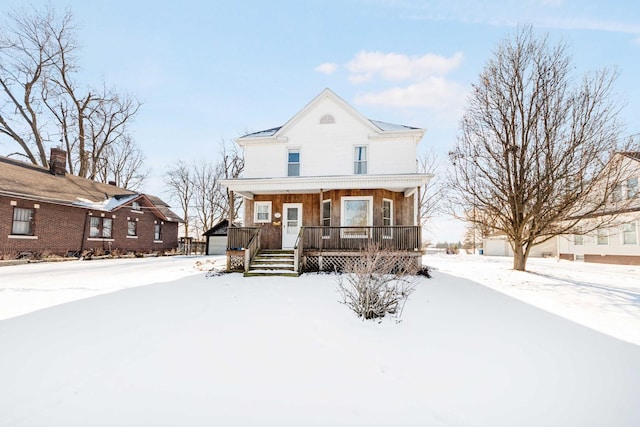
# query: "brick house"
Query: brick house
{"points": [[48, 211], [322, 187]]}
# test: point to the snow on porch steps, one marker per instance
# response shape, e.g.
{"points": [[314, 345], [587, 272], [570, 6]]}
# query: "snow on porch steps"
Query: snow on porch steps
{"points": [[273, 263]]}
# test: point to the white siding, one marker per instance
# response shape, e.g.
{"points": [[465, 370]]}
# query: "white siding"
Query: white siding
{"points": [[328, 148]]}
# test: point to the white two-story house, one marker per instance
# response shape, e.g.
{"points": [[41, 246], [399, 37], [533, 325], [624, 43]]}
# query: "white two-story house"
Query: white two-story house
{"points": [[326, 184]]}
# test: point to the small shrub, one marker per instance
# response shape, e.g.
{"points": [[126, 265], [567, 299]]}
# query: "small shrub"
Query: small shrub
{"points": [[377, 283]]}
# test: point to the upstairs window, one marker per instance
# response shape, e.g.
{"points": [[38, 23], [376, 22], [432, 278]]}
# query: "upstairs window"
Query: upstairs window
{"points": [[100, 227], [360, 160], [616, 195], [293, 162], [136, 206], [632, 188], [22, 222], [578, 239]]}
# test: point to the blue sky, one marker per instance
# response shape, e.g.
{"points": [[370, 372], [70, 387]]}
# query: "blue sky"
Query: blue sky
{"points": [[212, 70]]}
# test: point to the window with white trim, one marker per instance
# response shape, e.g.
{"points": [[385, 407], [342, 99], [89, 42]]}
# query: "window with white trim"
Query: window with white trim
{"points": [[360, 160], [326, 218], [629, 234], [578, 239], [632, 188], [132, 228], [261, 212], [602, 236], [356, 212], [293, 162], [136, 206], [22, 221], [387, 218], [157, 232], [101, 227]]}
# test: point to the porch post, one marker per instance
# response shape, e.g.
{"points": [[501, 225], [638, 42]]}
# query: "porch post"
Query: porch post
{"points": [[232, 206]]}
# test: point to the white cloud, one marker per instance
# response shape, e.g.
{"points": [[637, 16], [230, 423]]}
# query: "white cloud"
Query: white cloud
{"points": [[434, 93], [396, 67], [326, 68]]}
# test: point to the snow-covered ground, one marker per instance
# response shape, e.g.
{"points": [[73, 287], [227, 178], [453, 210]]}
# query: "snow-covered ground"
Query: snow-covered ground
{"points": [[601, 296], [234, 351]]}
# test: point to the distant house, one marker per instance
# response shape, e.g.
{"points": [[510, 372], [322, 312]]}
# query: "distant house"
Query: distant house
{"points": [[326, 184], [617, 242], [216, 242], [48, 211]]}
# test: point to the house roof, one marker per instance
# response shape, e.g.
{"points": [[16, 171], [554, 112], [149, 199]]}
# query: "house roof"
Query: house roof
{"points": [[220, 229], [24, 180], [375, 125], [635, 155]]}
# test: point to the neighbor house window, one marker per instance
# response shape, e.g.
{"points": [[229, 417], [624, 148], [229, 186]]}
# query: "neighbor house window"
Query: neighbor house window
{"points": [[602, 236], [578, 239], [360, 160], [157, 232], [132, 228], [629, 234], [135, 206], [326, 218], [356, 212], [262, 212], [22, 221], [616, 195], [293, 162], [632, 188], [101, 227], [387, 217]]}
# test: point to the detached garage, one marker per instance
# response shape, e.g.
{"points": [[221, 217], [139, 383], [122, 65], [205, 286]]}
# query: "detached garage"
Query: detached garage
{"points": [[217, 238]]}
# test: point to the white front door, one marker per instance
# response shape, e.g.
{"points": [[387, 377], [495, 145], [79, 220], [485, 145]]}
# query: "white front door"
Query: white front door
{"points": [[291, 223]]}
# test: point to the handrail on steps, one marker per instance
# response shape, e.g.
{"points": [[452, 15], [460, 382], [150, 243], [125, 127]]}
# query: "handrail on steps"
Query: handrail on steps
{"points": [[252, 249], [297, 251]]}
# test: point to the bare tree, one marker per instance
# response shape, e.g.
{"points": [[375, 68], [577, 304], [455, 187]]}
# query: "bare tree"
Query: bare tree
{"points": [[433, 191], [204, 195], [40, 98], [179, 182], [123, 163], [534, 143]]}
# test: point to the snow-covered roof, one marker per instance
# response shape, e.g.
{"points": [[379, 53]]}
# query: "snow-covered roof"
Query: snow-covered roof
{"points": [[262, 133], [391, 127]]}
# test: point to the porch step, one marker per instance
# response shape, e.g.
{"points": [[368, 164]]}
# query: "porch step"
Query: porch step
{"points": [[273, 263]]}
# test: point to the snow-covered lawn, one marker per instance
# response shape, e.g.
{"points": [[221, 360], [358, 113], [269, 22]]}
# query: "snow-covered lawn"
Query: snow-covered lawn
{"points": [[234, 351], [600, 296]]}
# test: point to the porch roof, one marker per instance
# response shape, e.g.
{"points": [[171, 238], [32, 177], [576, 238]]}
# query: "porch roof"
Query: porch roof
{"points": [[248, 187]]}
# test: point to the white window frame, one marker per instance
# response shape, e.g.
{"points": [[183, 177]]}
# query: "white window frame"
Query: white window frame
{"points": [[578, 240], [387, 233], [256, 211], [634, 228], [326, 233], [101, 228], [135, 229], [602, 233], [357, 162], [289, 163], [30, 223], [632, 190], [343, 200], [135, 206]]}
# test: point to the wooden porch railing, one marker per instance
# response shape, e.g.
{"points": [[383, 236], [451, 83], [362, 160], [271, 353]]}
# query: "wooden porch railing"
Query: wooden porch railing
{"points": [[252, 249], [401, 237], [238, 237]]}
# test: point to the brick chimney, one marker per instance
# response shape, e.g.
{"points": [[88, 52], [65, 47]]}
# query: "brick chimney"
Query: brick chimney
{"points": [[58, 162]]}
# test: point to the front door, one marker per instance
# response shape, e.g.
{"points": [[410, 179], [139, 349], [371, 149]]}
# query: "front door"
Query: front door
{"points": [[291, 223]]}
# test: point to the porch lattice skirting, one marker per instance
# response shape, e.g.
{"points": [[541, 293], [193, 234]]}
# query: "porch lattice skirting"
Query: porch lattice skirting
{"points": [[315, 261]]}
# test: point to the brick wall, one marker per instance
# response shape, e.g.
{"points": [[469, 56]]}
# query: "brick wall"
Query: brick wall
{"points": [[62, 229]]}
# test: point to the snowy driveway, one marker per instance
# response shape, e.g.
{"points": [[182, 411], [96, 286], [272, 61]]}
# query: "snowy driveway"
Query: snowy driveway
{"points": [[237, 351]]}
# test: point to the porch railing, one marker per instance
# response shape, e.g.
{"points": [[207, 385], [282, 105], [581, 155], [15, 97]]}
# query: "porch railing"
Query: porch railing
{"points": [[298, 249], [238, 237], [252, 249], [401, 237]]}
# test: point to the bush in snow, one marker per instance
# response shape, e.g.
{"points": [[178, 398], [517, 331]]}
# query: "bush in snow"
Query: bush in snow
{"points": [[377, 283]]}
